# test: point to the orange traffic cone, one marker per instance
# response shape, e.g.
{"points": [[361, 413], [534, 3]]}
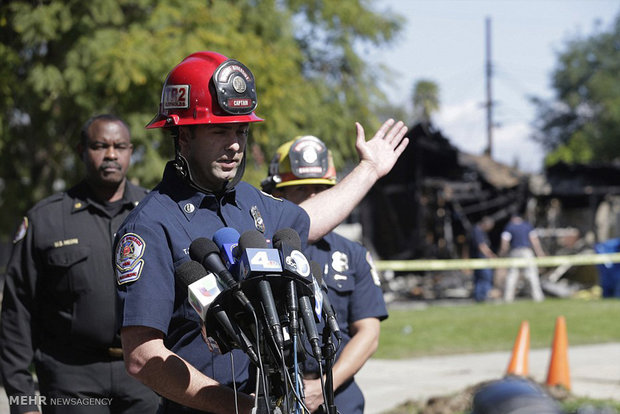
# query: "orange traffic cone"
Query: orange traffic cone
{"points": [[519, 361], [559, 374]]}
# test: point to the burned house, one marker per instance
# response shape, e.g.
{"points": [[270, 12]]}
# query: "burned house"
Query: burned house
{"points": [[581, 197], [426, 206]]}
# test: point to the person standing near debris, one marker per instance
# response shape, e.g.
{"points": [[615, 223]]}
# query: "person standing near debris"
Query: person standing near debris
{"points": [[520, 238], [480, 249], [300, 169]]}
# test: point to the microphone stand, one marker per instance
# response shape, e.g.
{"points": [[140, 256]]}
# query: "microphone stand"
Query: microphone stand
{"points": [[329, 356]]}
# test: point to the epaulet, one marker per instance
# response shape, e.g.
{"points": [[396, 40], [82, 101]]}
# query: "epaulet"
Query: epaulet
{"points": [[271, 196], [52, 199]]}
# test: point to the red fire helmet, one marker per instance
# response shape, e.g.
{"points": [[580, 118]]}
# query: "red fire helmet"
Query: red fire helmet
{"points": [[207, 88]]}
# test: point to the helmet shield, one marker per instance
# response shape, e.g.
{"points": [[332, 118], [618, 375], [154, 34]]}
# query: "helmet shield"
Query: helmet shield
{"points": [[234, 87], [302, 161]]}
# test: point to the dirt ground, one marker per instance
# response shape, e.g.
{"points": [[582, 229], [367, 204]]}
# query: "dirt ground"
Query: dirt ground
{"points": [[461, 403]]}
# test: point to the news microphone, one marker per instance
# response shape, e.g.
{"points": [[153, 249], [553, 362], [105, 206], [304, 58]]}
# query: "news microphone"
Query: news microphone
{"points": [[227, 240], [257, 260], [308, 315], [280, 239], [328, 309], [206, 252], [203, 289], [296, 264]]}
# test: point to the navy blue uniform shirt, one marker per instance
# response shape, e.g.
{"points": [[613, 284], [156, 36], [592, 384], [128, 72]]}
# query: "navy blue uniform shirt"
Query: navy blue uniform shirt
{"points": [[478, 236], [518, 234], [154, 240], [353, 284]]}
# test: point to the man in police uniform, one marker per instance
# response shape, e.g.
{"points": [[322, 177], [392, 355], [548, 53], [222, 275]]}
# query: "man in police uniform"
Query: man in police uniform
{"points": [[208, 102], [59, 299], [301, 169]]}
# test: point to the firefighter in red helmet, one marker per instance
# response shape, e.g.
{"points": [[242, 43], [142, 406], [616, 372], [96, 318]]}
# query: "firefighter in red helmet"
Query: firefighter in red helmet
{"points": [[208, 102]]}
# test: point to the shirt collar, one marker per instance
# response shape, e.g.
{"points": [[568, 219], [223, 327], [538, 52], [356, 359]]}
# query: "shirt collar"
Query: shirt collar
{"points": [[188, 198], [83, 197]]}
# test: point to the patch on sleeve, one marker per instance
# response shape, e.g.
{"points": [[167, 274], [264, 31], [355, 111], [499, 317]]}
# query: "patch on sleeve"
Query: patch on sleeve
{"points": [[373, 269], [21, 231], [128, 258]]}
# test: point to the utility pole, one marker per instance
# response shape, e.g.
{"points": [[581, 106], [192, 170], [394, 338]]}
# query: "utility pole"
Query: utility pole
{"points": [[489, 104]]}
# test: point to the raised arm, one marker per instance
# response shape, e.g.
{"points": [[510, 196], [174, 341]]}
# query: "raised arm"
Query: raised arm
{"points": [[377, 158]]}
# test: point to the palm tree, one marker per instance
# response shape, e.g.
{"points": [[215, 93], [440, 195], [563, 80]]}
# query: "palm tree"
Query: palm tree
{"points": [[425, 100]]}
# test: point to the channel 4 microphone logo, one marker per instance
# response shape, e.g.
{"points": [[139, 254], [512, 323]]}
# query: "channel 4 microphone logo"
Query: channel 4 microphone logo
{"points": [[260, 261]]}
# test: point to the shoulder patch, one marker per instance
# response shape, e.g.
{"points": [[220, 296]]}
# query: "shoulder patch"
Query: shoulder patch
{"points": [[128, 258], [21, 231]]}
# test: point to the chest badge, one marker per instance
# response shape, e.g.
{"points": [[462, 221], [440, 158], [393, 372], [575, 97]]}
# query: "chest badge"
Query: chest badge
{"points": [[340, 262], [259, 223]]}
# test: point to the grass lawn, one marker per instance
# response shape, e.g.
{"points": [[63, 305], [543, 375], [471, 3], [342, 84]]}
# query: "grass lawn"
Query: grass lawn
{"points": [[472, 327]]}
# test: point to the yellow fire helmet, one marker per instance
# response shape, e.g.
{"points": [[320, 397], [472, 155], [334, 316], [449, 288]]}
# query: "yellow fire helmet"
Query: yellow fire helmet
{"points": [[303, 160]]}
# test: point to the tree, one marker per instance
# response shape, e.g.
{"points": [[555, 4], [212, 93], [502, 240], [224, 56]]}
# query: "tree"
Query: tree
{"points": [[65, 60], [582, 124], [425, 100]]}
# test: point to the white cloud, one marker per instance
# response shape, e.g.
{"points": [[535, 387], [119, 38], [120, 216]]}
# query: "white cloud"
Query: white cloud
{"points": [[513, 143], [465, 126]]}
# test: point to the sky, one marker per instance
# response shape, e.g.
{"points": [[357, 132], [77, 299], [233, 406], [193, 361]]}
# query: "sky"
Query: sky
{"points": [[444, 41]]}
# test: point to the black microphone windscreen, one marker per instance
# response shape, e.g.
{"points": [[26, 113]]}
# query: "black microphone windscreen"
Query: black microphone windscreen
{"points": [[201, 247], [317, 271], [252, 239], [286, 235], [189, 272]]}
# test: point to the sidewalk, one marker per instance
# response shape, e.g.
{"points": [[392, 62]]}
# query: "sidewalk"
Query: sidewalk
{"points": [[594, 371]]}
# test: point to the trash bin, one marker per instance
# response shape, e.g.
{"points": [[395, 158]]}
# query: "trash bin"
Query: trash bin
{"points": [[609, 273]]}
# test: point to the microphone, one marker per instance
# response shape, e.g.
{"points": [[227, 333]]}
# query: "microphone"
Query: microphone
{"points": [[206, 252], [296, 265], [227, 240], [288, 239], [328, 309], [307, 315], [288, 243], [258, 261], [203, 289]]}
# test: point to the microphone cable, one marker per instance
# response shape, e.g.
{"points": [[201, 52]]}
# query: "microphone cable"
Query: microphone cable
{"points": [[234, 381], [261, 367]]}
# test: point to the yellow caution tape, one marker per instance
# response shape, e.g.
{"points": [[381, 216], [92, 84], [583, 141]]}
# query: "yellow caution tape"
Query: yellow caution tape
{"points": [[502, 262]]}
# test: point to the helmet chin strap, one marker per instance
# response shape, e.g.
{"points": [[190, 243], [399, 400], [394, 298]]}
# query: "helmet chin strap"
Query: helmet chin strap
{"points": [[185, 172]]}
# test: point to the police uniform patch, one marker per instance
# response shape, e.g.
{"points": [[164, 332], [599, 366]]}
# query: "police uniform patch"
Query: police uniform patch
{"points": [[21, 231], [129, 263], [373, 269]]}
